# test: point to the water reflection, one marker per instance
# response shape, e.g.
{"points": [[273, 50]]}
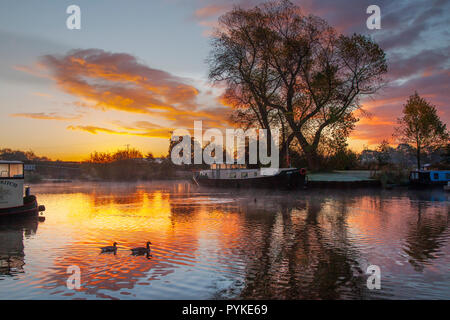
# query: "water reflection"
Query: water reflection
{"points": [[12, 233], [221, 244], [425, 237]]}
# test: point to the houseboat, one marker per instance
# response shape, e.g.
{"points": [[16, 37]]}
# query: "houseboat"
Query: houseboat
{"points": [[13, 202], [429, 177], [238, 176]]}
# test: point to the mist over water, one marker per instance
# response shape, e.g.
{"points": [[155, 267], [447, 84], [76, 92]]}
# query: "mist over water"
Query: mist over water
{"points": [[228, 244]]}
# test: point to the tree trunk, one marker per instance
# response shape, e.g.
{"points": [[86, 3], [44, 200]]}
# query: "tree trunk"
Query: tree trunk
{"points": [[310, 152], [283, 156], [284, 152], [418, 157], [313, 160]]}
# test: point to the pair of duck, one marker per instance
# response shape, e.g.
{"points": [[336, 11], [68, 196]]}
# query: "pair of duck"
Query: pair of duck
{"points": [[134, 251]]}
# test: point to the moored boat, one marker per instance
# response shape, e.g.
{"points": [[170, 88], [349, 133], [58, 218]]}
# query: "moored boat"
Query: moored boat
{"points": [[447, 187], [429, 178], [235, 176], [13, 203]]}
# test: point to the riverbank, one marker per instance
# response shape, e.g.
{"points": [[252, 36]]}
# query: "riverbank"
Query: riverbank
{"points": [[343, 179]]}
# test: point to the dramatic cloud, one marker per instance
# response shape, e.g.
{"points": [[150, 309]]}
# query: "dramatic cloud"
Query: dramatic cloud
{"points": [[211, 11], [119, 81], [138, 128], [46, 116]]}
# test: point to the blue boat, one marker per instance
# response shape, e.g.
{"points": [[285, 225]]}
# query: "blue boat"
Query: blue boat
{"points": [[429, 177]]}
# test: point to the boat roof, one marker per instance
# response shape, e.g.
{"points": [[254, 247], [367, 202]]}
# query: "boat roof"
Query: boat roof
{"points": [[10, 162], [427, 171]]}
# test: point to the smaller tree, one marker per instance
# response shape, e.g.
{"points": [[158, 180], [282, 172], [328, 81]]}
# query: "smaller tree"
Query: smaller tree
{"points": [[150, 157], [383, 154], [420, 126]]}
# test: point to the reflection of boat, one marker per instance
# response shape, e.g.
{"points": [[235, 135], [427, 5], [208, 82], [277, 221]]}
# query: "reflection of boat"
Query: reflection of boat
{"points": [[12, 200], [12, 232], [429, 177], [234, 176]]}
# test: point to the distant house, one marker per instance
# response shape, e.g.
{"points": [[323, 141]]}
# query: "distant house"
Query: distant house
{"points": [[147, 160], [140, 160], [368, 156], [29, 167]]}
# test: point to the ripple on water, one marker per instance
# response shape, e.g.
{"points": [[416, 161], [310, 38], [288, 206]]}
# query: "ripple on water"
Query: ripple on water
{"points": [[217, 244]]}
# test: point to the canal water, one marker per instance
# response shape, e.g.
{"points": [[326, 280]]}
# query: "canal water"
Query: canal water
{"points": [[219, 244]]}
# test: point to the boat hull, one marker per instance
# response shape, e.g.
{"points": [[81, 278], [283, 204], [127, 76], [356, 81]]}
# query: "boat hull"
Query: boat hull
{"points": [[292, 179], [29, 208]]}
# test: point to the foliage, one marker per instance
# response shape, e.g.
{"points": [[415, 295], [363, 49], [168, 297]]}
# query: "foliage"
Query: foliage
{"points": [[119, 155], [281, 65], [392, 175], [383, 154], [127, 165], [17, 155], [33, 177], [420, 126]]}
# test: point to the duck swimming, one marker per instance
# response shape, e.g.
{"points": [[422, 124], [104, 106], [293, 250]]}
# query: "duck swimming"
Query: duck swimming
{"points": [[141, 250], [112, 248]]}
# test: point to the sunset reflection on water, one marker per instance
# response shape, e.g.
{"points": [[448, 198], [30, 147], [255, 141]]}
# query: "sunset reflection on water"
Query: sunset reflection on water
{"points": [[211, 244]]}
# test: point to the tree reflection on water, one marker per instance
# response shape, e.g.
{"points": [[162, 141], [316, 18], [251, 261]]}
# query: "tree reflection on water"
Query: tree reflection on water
{"points": [[314, 244]]}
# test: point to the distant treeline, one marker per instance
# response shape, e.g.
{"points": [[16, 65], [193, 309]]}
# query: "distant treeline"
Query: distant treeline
{"points": [[121, 165], [127, 165], [16, 155], [132, 165]]}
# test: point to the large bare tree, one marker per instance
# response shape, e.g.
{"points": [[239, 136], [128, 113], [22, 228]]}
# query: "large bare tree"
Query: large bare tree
{"points": [[276, 61]]}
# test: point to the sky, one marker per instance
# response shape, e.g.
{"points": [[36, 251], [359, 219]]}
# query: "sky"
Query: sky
{"points": [[136, 70]]}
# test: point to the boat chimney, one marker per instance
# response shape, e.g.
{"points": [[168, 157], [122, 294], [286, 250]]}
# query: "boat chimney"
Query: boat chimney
{"points": [[27, 191]]}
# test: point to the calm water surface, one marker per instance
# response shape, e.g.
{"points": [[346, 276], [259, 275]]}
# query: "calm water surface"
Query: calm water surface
{"points": [[217, 244]]}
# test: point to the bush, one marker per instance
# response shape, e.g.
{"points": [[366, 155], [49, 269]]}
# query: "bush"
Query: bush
{"points": [[392, 175], [33, 177]]}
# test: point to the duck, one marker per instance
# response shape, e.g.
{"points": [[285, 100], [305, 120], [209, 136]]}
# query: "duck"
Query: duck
{"points": [[141, 250], [112, 248]]}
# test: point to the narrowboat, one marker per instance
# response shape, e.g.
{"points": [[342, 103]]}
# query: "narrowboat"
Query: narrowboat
{"points": [[13, 202], [429, 177], [447, 187], [238, 176]]}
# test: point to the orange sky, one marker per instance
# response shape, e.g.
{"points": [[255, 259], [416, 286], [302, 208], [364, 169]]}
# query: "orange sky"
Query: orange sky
{"points": [[65, 94]]}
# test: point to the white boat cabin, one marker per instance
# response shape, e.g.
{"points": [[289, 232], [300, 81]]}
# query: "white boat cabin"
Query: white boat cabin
{"points": [[237, 171], [11, 184]]}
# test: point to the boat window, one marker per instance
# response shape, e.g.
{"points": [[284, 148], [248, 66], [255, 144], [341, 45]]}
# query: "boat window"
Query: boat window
{"points": [[233, 175], [447, 176], [436, 176], [11, 170], [255, 174], [16, 170], [244, 175], [4, 170]]}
